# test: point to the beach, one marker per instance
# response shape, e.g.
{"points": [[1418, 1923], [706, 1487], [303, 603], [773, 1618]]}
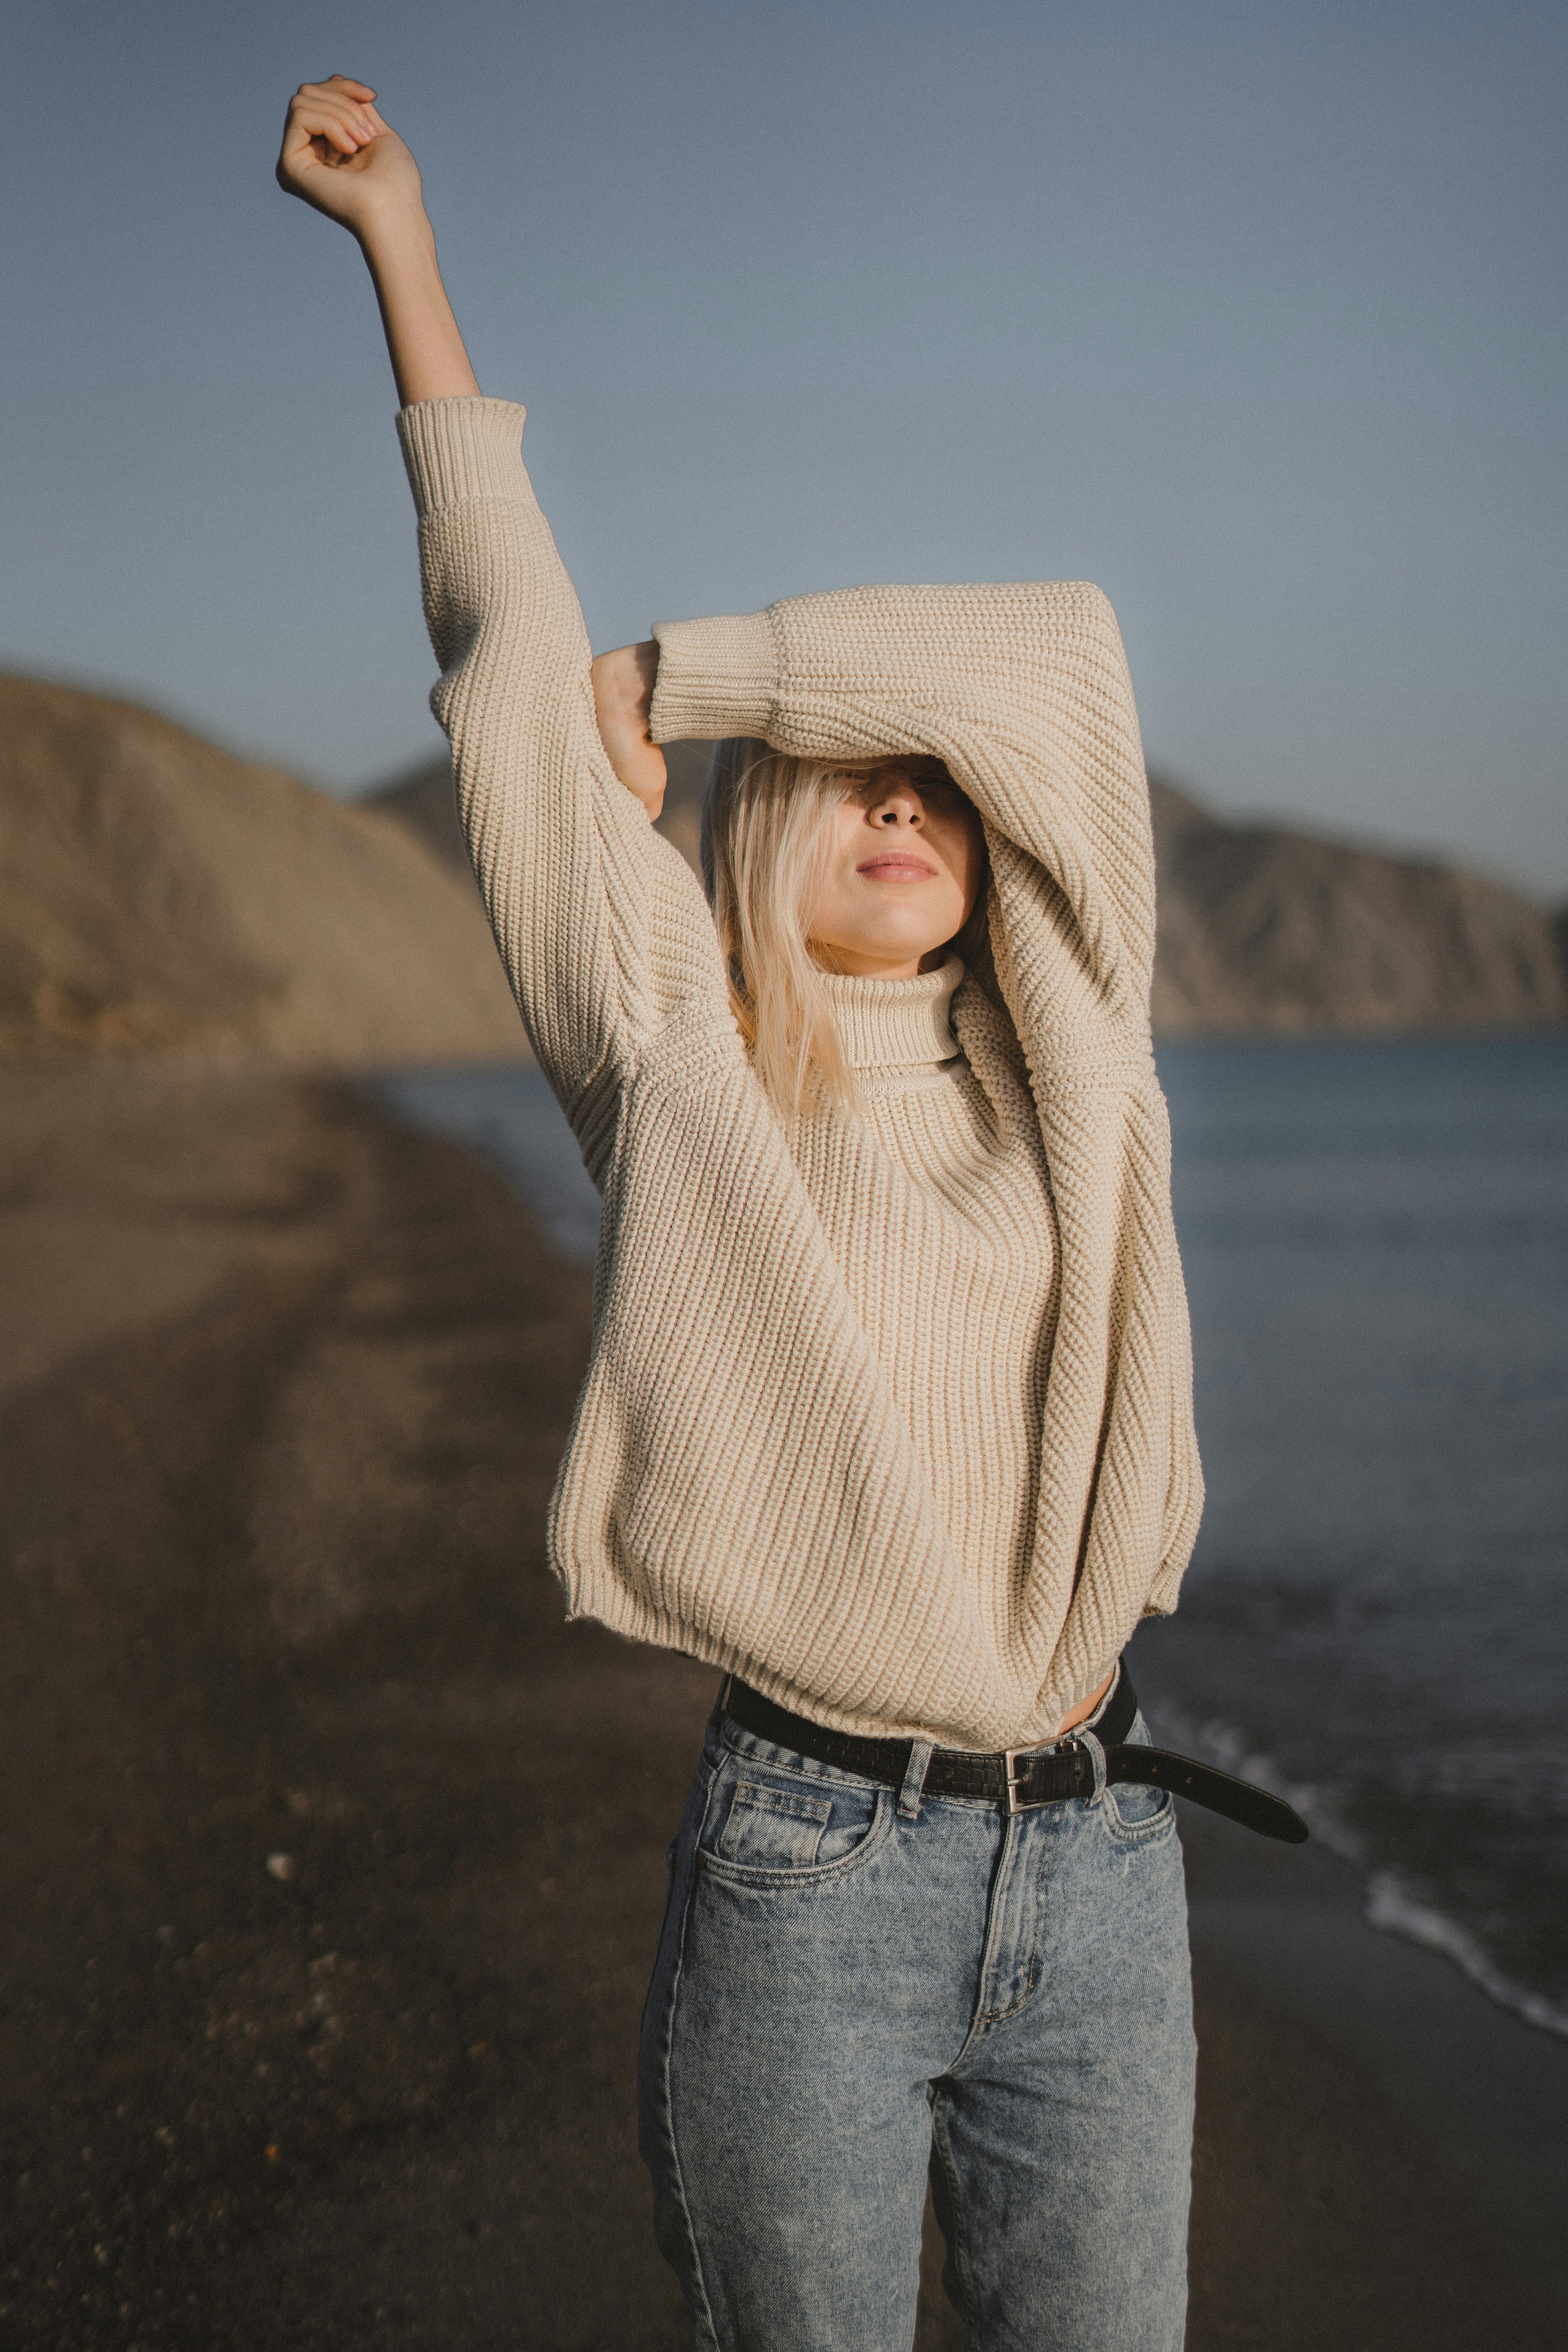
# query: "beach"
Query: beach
{"points": [[337, 1858]]}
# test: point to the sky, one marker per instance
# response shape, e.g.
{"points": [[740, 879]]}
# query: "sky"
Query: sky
{"points": [[1254, 314]]}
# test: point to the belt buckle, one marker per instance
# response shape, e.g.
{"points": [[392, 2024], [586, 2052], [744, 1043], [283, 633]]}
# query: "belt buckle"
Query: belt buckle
{"points": [[1017, 1804], [1010, 1758]]}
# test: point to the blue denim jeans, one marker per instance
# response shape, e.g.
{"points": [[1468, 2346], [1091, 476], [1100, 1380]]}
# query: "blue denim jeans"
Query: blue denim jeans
{"points": [[854, 1986]]}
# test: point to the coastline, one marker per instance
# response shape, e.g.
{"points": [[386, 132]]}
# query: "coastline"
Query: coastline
{"points": [[340, 1857], [1385, 1903], [1451, 2129]]}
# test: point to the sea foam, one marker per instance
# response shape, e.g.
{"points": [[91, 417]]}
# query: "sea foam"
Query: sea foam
{"points": [[1391, 1904]]}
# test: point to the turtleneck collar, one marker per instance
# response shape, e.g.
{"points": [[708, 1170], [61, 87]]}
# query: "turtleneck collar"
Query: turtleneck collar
{"points": [[896, 1023]]}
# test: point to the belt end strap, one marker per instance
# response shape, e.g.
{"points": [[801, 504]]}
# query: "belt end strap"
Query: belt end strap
{"points": [[1239, 1801]]}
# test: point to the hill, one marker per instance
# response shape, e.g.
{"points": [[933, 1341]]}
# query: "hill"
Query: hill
{"points": [[159, 898], [1261, 927], [1264, 928]]}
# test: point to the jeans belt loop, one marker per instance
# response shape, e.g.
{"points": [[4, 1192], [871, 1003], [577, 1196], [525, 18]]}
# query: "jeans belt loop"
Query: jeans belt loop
{"points": [[921, 1754], [1087, 1739]]}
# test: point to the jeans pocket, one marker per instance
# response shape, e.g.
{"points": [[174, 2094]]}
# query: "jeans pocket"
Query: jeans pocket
{"points": [[1138, 1810], [767, 1824], [1132, 1811], [774, 1829]]}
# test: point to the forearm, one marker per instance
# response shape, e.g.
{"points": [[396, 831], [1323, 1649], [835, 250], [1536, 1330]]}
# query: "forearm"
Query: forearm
{"points": [[423, 341], [340, 156], [1020, 686]]}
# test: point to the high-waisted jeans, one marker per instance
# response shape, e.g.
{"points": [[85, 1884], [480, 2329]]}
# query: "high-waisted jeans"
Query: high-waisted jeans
{"points": [[852, 1987]]}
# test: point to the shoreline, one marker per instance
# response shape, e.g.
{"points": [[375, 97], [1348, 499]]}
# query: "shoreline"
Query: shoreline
{"points": [[1386, 1903], [329, 1940], [1482, 2092]]}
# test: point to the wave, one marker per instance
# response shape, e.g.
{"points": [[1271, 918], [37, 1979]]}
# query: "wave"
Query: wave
{"points": [[1393, 1906]]}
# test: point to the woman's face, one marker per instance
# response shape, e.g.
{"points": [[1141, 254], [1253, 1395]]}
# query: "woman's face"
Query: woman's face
{"points": [[904, 864]]}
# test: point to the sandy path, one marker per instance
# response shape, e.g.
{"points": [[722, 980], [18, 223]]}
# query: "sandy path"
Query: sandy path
{"points": [[280, 1427]]}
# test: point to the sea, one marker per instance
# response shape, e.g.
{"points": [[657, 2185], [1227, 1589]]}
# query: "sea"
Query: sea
{"points": [[1374, 1233]]}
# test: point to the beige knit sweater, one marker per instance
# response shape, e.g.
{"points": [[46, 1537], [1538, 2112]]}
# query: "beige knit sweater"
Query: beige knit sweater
{"points": [[936, 1205], [862, 1422]]}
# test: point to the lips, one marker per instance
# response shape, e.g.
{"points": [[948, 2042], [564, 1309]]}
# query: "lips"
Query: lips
{"points": [[896, 867]]}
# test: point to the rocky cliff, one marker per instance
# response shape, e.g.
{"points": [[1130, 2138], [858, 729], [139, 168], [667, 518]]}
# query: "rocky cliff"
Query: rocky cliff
{"points": [[159, 898], [1263, 928]]}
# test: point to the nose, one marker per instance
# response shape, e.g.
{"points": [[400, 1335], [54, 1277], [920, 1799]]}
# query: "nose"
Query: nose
{"points": [[896, 803]]}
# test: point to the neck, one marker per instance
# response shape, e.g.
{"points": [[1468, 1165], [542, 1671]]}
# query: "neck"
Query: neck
{"points": [[849, 963]]}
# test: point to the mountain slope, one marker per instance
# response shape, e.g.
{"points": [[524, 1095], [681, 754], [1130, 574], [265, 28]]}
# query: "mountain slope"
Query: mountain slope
{"points": [[1264, 928], [1261, 927], [159, 897]]}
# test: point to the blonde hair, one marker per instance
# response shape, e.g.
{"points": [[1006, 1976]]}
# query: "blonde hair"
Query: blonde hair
{"points": [[766, 833]]}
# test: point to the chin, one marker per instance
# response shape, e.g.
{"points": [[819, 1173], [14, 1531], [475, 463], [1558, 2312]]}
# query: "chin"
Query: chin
{"points": [[892, 951]]}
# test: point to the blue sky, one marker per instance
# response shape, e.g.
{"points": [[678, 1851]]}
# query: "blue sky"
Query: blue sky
{"points": [[1254, 314]]}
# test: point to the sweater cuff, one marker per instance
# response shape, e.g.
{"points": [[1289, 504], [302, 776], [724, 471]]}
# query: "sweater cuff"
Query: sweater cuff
{"points": [[1165, 1591], [459, 450], [715, 679]]}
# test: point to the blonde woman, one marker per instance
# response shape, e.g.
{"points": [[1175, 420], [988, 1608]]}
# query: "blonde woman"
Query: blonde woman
{"points": [[888, 1413]]}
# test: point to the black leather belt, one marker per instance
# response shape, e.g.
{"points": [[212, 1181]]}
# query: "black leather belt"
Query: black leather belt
{"points": [[1020, 1778]]}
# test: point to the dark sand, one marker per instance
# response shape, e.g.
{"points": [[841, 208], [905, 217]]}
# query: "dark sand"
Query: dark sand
{"points": [[283, 1389]]}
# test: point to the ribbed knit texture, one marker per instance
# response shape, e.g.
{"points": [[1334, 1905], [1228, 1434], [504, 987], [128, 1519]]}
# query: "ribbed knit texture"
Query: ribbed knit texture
{"points": [[861, 1424], [936, 1203], [886, 1024]]}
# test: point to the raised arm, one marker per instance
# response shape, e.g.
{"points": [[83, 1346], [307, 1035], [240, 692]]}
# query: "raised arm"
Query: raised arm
{"points": [[599, 925], [340, 156]]}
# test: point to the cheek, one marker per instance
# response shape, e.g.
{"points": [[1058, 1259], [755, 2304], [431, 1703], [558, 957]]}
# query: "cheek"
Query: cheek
{"points": [[837, 880], [833, 904], [964, 856]]}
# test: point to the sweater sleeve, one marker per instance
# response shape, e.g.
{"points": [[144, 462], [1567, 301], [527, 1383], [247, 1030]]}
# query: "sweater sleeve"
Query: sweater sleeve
{"points": [[602, 927], [1022, 688]]}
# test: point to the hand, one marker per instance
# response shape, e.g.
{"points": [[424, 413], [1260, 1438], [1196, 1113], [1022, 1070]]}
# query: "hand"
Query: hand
{"points": [[339, 155], [623, 704]]}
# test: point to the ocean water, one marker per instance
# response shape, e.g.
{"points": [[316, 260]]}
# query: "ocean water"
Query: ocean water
{"points": [[512, 1119], [1376, 1238]]}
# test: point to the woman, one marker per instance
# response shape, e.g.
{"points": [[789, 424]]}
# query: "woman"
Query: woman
{"points": [[889, 1411]]}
